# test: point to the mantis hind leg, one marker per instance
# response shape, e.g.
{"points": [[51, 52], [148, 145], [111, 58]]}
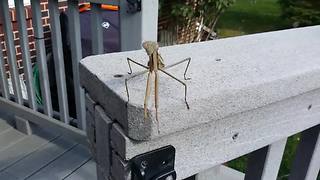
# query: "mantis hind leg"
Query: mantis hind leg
{"points": [[156, 93], [156, 97], [181, 82], [188, 60]]}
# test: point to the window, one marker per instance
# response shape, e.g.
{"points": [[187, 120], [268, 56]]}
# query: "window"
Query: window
{"points": [[11, 3]]}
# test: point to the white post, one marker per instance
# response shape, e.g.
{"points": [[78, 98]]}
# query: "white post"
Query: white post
{"points": [[139, 26], [273, 160]]}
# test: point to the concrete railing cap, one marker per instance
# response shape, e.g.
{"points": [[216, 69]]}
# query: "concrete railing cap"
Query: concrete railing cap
{"points": [[254, 71]]}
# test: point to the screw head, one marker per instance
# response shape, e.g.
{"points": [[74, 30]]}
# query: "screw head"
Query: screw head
{"points": [[144, 164], [170, 177], [235, 136]]}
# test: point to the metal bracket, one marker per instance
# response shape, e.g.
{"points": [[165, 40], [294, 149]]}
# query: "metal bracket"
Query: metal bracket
{"points": [[154, 165], [134, 6]]}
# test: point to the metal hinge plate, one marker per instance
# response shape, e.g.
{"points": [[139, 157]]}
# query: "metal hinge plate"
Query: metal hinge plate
{"points": [[154, 165]]}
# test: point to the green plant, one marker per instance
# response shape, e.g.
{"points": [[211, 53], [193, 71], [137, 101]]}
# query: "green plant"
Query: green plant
{"points": [[207, 12], [301, 13]]}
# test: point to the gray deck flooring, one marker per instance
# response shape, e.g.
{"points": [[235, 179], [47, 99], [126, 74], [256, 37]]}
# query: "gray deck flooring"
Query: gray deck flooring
{"points": [[42, 156]]}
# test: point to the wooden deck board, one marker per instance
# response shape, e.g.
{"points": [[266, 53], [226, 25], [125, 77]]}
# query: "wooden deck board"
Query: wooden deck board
{"points": [[23, 148], [42, 155], [7, 176], [4, 126], [85, 172], [64, 165], [10, 137], [41, 158]]}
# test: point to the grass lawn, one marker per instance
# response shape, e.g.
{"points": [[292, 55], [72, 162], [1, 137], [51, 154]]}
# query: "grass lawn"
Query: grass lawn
{"points": [[251, 16], [248, 17]]}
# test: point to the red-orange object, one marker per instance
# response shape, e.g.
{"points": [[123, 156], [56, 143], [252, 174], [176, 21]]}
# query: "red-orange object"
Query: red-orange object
{"points": [[110, 7], [86, 6]]}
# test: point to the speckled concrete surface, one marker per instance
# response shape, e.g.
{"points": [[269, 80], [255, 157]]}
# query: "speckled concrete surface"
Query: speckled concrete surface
{"points": [[254, 71], [211, 144]]}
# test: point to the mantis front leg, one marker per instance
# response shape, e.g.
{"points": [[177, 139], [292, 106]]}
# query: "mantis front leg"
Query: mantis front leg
{"points": [[135, 62], [131, 77], [135, 75]]}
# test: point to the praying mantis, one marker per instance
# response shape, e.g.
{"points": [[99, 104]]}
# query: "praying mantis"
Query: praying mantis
{"points": [[154, 65]]}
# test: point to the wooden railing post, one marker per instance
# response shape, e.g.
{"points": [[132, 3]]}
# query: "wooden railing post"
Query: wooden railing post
{"points": [[12, 60], [3, 81], [25, 51], [75, 44], [58, 57], [41, 57]]}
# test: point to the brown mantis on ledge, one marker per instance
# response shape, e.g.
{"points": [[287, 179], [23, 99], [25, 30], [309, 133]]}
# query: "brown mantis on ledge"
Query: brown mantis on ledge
{"points": [[154, 65]]}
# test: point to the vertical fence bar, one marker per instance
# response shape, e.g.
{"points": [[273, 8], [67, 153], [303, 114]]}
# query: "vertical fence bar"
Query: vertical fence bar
{"points": [[264, 164], [3, 76], [273, 160], [24, 44], [4, 10], [41, 57], [58, 60], [306, 164], [76, 53], [96, 29]]}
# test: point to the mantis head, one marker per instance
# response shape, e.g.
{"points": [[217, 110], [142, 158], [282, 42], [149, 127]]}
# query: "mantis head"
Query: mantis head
{"points": [[152, 48]]}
